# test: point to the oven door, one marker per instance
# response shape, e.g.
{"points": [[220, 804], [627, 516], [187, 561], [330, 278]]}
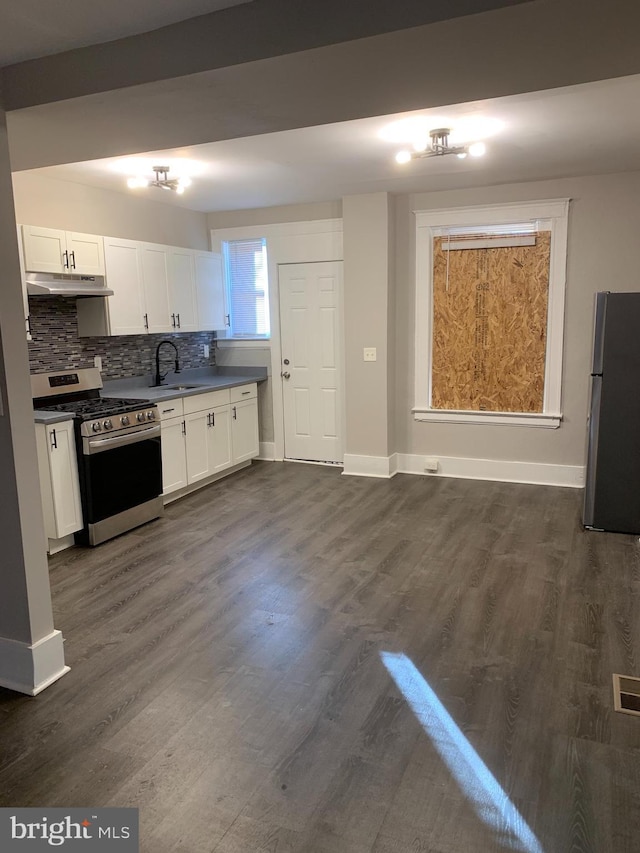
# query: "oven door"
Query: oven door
{"points": [[120, 472]]}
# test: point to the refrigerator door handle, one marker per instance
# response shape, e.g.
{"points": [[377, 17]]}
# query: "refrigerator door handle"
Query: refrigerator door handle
{"points": [[598, 333], [592, 453]]}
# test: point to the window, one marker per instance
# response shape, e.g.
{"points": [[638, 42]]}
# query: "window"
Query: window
{"points": [[247, 283], [489, 314]]}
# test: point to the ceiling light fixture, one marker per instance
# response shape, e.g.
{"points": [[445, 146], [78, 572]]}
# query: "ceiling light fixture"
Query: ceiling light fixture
{"points": [[162, 180], [439, 146]]}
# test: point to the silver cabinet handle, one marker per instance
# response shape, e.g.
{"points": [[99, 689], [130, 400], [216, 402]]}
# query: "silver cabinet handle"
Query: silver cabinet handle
{"points": [[73, 260], [208, 419], [235, 414], [54, 440], [146, 321], [65, 259], [166, 411], [173, 321], [244, 393], [184, 427], [178, 318], [213, 419]]}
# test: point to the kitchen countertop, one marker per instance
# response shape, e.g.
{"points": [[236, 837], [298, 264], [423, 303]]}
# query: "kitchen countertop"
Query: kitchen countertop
{"points": [[41, 417], [138, 387], [202, 378]]}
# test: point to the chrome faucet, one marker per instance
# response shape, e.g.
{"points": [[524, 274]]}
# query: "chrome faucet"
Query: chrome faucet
{"points": [[160, 377]]}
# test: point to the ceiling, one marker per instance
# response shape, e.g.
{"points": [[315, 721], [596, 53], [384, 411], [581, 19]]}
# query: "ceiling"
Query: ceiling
{"points": [[577, 130], [33, 28]]}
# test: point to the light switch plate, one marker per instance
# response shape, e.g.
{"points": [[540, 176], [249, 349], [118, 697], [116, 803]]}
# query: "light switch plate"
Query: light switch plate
{"points": [[97, 361], [205, 349], [370, 354]]}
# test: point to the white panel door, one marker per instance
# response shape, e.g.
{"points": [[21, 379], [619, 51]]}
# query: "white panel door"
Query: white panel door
{"points": [[124, 276], [210, 291], [311, 329], [155, 280], [182, 291]]}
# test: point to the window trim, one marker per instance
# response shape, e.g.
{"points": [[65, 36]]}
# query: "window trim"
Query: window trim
{"points": [[555, 213], [230, 336]]}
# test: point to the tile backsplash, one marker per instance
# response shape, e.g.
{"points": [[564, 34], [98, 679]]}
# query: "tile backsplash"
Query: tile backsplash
{"points": [[56, 345]]}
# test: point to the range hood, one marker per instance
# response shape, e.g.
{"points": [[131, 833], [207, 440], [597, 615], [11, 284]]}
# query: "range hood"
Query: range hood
{"points": [[55, 284]]}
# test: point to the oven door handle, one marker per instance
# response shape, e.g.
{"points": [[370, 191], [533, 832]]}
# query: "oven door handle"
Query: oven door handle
{"points": [[98, 445]]}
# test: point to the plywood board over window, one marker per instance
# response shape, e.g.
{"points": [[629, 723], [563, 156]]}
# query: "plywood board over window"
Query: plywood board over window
{"points": [[489, 326]]}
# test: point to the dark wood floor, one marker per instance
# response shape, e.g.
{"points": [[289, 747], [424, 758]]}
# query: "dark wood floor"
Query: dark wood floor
{"points": [[226, 674]]}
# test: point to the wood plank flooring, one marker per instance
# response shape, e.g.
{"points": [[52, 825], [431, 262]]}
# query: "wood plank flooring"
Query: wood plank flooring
{"points": [[226, 674]]}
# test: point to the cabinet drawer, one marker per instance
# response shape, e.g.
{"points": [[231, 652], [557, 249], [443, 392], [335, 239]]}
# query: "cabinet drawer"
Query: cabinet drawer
{"points": [[203, 402], [243, 392], [170, 409]]}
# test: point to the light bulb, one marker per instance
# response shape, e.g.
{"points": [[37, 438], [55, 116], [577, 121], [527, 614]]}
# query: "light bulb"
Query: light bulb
{"points": [[420, 145], [403, 156], [184, 182], [477, 149], [180, 189], [462, 155]]}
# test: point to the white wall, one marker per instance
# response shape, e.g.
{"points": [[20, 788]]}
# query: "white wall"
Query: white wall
{"points": [[52, 203], [274, 215], [603, 254]]}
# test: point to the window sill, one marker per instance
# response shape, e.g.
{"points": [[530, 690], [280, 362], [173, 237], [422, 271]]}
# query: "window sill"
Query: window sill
{"points": [[521, 419], [243, 342]]}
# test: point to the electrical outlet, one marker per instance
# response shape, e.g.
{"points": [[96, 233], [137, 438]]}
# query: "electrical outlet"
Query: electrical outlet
{"points": [[205, 349], [97, 361], [370, 354], [431, 465]]}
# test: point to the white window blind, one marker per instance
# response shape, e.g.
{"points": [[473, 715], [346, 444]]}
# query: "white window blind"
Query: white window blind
{"points": [[247, 287]]}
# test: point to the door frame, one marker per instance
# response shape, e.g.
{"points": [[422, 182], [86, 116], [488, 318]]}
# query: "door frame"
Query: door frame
{"points": [[301, 242]]}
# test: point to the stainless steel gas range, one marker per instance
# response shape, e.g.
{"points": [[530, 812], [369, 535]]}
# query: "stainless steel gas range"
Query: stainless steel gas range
{"points": [[118, 447]]}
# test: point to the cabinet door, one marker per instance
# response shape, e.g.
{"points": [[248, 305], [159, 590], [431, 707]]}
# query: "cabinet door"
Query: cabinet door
{"points": [[182, 290], [25, 297], [44, 249], [155, 279], [244, 430], [197, 446], [220, 456], [85, 253], [174, 460], [124, 276], [65, 487], [210, 291]]}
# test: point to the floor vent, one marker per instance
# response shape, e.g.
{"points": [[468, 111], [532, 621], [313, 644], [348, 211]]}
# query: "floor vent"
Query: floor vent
{"points": [[626, 694]]}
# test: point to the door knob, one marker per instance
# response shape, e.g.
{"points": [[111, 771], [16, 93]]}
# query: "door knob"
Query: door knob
{"points": [[285, 375]]}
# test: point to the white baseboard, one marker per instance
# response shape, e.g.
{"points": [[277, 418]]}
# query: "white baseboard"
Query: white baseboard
{"points": [[267, 451], [30, 668], [537, 473], [369, 466]]}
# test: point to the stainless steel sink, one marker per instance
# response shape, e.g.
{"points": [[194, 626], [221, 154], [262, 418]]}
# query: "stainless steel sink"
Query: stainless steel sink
{"points": [[178, 387]]}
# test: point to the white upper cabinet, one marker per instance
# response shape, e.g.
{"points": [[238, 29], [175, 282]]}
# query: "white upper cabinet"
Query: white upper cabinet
{"points": [[54, 251], [126, 309], [182, 290], [25, 298], [155, 279], [210, 291]]}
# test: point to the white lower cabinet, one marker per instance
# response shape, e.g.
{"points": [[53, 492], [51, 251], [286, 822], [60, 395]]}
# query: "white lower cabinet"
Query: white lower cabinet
{"points": [[174, 461], [212, 435], [58, 467], [244, 430]]}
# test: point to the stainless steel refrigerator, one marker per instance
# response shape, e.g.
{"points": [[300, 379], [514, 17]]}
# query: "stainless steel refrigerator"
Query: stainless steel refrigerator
{"points": [[612, 494]]}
